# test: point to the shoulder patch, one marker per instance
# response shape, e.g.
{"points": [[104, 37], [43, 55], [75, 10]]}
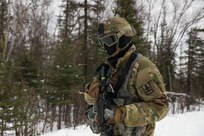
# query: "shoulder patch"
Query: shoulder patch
{"points": [[147, 88]]}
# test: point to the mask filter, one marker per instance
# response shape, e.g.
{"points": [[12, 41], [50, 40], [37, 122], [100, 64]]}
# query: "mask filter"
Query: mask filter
{"points": [[110, 50]]}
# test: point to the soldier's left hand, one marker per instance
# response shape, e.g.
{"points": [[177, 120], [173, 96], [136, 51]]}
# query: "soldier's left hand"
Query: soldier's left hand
{"points": [[118, 116], [91, 92]]}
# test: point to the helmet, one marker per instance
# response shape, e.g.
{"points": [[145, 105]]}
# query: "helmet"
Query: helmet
{"points": [[115, 34]]}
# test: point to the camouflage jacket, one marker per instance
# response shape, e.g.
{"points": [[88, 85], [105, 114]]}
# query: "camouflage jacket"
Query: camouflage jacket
{"points": [[146, 84]]}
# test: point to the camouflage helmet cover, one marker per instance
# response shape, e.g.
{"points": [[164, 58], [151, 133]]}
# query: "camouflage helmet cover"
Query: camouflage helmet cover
{"points": [[118, 24]]}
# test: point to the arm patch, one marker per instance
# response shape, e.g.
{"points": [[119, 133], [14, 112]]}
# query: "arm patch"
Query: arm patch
{"points": [[147, 88]]}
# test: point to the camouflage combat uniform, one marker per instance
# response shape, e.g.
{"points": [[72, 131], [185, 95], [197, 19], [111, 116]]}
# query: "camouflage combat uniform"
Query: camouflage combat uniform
{"points": [[143, 83]]}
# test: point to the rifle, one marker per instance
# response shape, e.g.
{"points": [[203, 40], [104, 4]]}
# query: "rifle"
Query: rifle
{"points": [[104, 100]]}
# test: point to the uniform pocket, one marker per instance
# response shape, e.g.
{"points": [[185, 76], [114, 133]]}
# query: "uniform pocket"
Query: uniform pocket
{"points": [[147, 84]]}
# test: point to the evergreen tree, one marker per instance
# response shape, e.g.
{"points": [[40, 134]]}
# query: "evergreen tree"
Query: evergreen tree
{"points": [[77, 55], [22, 45], [12, 100], [62, 80], [195, 72], [63, 75], [199, 85]]}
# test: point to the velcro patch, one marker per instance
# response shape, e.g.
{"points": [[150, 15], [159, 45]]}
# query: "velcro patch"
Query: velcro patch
{"points": [[147, 89]]}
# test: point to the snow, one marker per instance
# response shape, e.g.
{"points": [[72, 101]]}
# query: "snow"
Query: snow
{"points": [[187, 124]]}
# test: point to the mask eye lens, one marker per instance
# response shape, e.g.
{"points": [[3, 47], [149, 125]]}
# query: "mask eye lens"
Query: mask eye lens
{"points": [[108, 40]]}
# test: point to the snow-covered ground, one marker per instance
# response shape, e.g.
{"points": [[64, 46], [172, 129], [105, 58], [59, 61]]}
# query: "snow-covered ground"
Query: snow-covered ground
{"points": [[187, 124]]}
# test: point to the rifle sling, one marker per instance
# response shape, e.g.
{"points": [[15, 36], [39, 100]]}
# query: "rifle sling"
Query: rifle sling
{"points": [[121, 81]]}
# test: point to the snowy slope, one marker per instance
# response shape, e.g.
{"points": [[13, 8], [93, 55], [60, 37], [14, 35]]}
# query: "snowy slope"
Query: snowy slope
{"points": [[188, 124]]}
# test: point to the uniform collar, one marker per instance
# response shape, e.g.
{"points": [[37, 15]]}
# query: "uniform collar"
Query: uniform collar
{"points": [[123, 59]]}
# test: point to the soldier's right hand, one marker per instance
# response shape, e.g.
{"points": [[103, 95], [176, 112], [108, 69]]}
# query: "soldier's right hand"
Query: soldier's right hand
{"points": [[118, 117]]}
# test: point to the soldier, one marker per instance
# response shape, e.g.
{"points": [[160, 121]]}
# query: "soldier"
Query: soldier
{"points": [[140, 98]]}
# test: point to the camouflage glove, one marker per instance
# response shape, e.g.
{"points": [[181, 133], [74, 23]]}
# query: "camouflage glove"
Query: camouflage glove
{"points": [[92, 119], [118, 116], [91, 92]]}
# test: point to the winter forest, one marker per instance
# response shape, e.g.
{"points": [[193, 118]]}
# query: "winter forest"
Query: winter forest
{"points": [[47, 58]]}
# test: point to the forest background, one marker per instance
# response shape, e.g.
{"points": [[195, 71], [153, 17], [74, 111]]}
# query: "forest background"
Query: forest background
{"points": [[45, 60]]}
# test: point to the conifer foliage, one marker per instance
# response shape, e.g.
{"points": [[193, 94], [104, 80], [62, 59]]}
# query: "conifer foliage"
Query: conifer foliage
{"points": [[195, 59]]}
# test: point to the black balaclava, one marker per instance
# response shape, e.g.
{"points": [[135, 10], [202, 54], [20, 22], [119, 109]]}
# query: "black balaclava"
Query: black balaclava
{"points": [[113, 60]]}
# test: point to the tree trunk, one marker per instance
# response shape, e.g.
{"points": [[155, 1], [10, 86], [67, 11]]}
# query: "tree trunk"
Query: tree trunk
{"points": [[59, 123], [85, 52]]}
